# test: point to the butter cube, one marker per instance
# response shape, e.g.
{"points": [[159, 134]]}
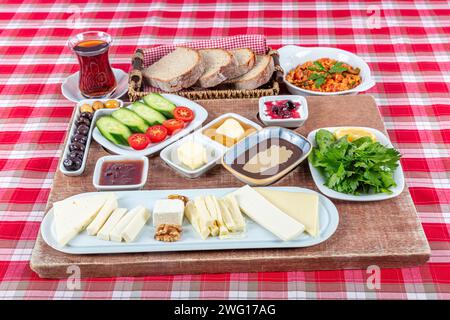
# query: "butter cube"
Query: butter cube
{"points": [[168, 211], [192, 155], [231, 128]]}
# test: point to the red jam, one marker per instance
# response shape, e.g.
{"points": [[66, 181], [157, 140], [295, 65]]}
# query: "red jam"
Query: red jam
{"points": [[119, 173], [282, 109]]}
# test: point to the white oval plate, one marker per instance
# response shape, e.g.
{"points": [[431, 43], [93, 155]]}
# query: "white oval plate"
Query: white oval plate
{"points": [[319, 179], [256, 237], [292, 56], [200, 116], [71, 91]]}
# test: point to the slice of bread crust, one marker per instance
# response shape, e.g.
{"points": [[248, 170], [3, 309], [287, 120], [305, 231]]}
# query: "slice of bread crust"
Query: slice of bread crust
{"points": [[244, 60], [260, 74], [218, 65], [177, 70]]}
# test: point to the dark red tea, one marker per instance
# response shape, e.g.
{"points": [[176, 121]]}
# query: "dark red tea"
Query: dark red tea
{"points": [[96, 76]]}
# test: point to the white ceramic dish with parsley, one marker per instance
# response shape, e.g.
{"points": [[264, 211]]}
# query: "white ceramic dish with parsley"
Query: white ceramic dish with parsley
{"points": [[291, 56], [320, 180]]}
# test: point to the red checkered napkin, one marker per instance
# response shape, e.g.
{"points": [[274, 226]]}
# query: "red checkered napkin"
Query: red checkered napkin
{"points": [[256, 42]]}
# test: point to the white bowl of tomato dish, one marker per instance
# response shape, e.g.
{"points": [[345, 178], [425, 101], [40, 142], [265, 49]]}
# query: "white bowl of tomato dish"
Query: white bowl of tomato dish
{"points": [[323, 71], [289, 111]]}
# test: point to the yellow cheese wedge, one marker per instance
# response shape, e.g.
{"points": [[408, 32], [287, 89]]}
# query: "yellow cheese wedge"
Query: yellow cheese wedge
{"points": [[73, 215], [109, 206], [111, 223], [226, 216], [302, 206], [191, 213], [233, 207], [267, 215], [231, 129]]}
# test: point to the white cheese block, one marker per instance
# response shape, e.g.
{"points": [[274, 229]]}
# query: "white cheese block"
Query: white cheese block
{"points": [[109, 206], [136, 224], [302, 206], [231, 128], [267, 215], [168, 211], [117, 231], [73, 215], [111, 223]]}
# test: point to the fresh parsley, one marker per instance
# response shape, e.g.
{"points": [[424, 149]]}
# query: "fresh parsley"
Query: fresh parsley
{"points": [[361, 166]]}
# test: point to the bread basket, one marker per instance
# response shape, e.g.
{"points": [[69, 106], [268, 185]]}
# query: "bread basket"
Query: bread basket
{"points": [[138, 88]]}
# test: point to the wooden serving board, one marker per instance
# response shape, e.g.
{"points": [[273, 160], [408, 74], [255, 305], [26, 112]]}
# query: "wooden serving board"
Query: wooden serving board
{"points": [[386, 233]]}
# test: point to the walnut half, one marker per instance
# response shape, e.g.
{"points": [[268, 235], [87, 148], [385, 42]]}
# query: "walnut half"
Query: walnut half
{"points": [[168, 232]]}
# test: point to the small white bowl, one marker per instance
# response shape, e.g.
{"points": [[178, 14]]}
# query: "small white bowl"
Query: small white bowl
{"points": [[286, 123], [98, 169], [292, 56], [214, 153], [71, 90]]}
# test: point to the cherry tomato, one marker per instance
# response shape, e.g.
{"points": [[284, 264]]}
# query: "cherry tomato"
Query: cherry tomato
{"points": [[173, 125], [156, 133], [138, 141], [183, 113]]}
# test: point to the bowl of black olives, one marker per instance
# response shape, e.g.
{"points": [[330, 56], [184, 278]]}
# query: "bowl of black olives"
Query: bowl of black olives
{"points": [[77, 146]]}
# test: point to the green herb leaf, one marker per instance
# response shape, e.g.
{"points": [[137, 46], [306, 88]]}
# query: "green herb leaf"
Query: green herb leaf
{"points": [[319, 66], [337, 68]]}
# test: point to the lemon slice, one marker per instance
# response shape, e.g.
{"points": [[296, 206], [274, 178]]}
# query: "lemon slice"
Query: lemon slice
{"points": [[353, 134]]}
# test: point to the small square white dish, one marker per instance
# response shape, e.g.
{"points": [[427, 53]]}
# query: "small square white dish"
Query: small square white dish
{"points": [[118, 158], [213, 151], [319, 180], [242, 153], [288, 122], [225, 116], [72, 130]]}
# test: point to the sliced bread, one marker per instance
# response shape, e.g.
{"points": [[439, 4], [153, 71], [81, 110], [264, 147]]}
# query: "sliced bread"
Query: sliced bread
{"points": [[177, 70], [260, 74], [218, 65], [244, 60]]}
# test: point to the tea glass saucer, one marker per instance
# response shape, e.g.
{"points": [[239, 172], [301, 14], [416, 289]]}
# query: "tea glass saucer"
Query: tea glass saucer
{"points": [[70, 89]]}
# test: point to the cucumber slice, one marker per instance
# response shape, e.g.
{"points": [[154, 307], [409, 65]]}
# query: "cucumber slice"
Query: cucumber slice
{"points": [[159, 103], [113, 130], [148, 114], [130, 119]]}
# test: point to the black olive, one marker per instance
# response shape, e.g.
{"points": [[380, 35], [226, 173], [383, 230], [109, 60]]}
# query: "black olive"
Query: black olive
{"points": [[85, 121], [79, 138], [77, 164], [76, 146], [69, 165], [290, 105], [87, 115], [76, 154], [83, 129]]}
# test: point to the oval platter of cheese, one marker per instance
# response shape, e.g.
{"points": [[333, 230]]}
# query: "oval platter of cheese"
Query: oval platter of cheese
{"points": [[189, 220]]}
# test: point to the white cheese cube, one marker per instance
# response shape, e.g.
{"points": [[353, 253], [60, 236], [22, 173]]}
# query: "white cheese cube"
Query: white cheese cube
{"points": [[168, 211]]}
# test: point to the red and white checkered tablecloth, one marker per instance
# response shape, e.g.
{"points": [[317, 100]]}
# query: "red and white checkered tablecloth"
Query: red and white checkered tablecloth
{"points": [[406, 43]]}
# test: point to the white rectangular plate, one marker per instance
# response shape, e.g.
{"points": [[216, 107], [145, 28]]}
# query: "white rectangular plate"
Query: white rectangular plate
{"points": [[319, 180], [255, 237], [200, 116]]}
